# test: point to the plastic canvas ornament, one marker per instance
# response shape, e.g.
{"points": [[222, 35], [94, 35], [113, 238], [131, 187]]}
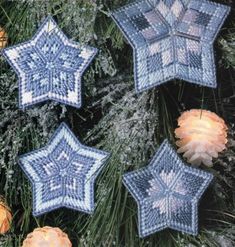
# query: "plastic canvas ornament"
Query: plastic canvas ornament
{"points": [[49, 66], [167, 193], [63, 173], [172, 39]]}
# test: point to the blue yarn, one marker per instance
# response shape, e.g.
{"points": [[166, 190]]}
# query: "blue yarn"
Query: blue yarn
{"points": [[49, 66], [167, 193], [172, 39], [63, 173]]}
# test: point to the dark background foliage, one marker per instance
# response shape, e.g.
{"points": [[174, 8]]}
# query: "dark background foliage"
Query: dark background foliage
{"points": [[117, 120]]}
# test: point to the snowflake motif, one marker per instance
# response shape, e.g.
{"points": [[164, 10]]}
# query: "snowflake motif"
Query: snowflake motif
{"points": [[154, 189], [63, 173], [167, 193], [172, 39], [49, 66]]}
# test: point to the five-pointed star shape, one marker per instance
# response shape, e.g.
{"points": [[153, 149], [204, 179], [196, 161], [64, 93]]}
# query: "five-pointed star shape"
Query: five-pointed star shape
{"points": [[167, 193], [63, 173], [172, 39], [49, 66]]}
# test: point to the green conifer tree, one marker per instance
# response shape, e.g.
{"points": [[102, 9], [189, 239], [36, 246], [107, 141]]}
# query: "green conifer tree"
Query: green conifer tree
{"points": [[114, 119]]}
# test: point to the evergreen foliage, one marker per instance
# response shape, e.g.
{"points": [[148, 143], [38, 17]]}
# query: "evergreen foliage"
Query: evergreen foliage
{"points": [[116, 119]]}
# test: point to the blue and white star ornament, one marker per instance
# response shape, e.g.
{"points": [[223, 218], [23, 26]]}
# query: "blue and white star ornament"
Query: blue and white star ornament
{"points": [[63, 173], [49, 66], [172, 39], [167, 193]]}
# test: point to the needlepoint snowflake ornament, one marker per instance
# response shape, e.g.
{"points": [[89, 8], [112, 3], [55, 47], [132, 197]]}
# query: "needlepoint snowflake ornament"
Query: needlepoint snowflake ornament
{"points": [[172, 39], [167, 193], [63, 173], [49, 66]]}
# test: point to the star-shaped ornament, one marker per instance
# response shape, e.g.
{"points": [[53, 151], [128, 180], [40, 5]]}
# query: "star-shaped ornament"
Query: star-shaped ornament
{"points": [[49, 66], [63, 173], [167, 193], [172, 39]]}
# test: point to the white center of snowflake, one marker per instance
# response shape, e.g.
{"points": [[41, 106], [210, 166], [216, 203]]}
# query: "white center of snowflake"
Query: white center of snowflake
{"points": [[50, 65], [63, 172], [163, 196], [168, 192]]}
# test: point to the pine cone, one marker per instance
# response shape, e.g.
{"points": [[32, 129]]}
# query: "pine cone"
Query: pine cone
{"points": [[5, 218], [202, 136], [3, 38], [47, 237]]}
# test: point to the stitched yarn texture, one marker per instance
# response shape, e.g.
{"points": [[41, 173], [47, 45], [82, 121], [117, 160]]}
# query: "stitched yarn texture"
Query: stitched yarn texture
{"points": [[49, 66], [63, 173], [172, 39], [167, 193]]}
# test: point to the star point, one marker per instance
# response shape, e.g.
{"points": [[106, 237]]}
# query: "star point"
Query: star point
{"points": [[49, 66], [167, 193], [172, 39], [63, 173]]}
